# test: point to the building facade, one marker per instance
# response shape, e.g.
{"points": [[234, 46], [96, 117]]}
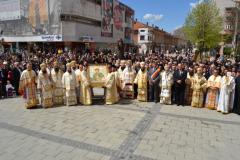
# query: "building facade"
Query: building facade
{"points": [[151, 38], [99, 22], [228, 10]]}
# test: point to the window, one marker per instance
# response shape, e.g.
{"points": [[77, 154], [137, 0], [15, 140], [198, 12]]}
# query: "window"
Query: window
{"points": [[142, 38], [228, 27], [142, 30], [149, 38], [135, 31]]}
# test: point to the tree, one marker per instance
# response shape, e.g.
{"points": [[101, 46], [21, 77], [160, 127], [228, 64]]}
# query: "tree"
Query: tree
{"points": [[203, 25]]}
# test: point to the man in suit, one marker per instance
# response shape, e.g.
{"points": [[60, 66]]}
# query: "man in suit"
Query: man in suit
{"points": [[154, 79], [179, 77], [16, 76]]}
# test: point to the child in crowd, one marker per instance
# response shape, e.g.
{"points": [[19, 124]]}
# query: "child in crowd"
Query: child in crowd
{"points": [[9, 89]]}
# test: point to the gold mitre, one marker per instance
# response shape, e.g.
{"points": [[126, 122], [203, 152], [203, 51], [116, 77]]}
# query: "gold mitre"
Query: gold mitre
{"points": [[43, 65]]}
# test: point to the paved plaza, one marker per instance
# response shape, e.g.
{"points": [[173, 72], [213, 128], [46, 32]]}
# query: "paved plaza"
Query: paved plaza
{"points": [[126, 131]]}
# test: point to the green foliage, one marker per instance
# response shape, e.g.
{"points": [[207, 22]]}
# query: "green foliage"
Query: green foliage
{"points": [[227, 51], [238, 51], [203, 25], [228, 39]]}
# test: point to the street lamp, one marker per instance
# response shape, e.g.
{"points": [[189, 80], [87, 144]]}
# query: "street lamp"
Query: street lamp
{"points": [[237, 2], [2, 40]]}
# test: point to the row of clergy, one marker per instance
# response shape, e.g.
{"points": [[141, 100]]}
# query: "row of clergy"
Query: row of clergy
{"points": [[72, 86], [57, 88]]}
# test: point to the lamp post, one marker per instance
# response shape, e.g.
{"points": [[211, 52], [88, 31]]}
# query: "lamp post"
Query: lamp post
{"points": [[2, 40], [222, 33], [235, 41]]}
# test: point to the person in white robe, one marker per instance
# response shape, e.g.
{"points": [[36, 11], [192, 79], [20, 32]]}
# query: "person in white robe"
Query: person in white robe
{"points": [[56, 76], [166, 82], [226, 98], [120, 79], [45, 85], [70, 85], [129, 75]]}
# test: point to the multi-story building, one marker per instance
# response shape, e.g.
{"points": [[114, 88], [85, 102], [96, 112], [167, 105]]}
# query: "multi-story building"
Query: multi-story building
{"points": [[100, 23], [228, 10], [148, 37]]}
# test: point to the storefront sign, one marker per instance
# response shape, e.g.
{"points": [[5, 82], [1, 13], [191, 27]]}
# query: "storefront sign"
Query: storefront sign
{"points": [[41, 38]]}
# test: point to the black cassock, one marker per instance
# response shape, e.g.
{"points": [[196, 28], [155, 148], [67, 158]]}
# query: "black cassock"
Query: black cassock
{"points": [[236, 108]]}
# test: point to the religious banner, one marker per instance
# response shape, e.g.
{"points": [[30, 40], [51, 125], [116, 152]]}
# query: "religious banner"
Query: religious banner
{"points": [[97, 75], [118, 15], [107, 16], [40, 18]]}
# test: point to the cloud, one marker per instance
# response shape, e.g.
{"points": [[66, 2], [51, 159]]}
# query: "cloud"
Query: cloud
{"points": [[178, 27], [194, 4], [152, 17]]}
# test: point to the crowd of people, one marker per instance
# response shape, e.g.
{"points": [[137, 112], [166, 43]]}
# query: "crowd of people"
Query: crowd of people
{"points": [[168, 78]]}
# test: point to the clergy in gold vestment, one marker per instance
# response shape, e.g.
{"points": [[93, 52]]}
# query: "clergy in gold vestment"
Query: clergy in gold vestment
{"points": [[27, 87], [141, 81], [112, 95], [213, 85], [85, 88], [128, 75], [199, 83], [44, 85], [188, 89], [56, 76], [70, 85], [78, 74]]}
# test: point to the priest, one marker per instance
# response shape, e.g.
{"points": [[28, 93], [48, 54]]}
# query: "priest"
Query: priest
{"points": [[129, 75], [213, 86], [226, 98], [70, 85], [44, 85], [166, 82], [85, 88], [199, 84], [120, 79], [141, 80], [27, 87], [112, 95], [56, 76], [188, 90]]}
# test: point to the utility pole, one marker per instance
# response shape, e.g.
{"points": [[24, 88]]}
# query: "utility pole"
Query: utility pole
{"points": [[235, 40]]}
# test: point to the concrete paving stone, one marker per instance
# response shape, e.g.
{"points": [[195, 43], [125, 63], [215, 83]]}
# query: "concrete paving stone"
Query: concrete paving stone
{"points": [[134, 129], [7, 156]]}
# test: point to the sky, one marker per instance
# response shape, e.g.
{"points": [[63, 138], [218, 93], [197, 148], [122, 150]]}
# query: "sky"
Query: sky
{"points": [[166, 14]]}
